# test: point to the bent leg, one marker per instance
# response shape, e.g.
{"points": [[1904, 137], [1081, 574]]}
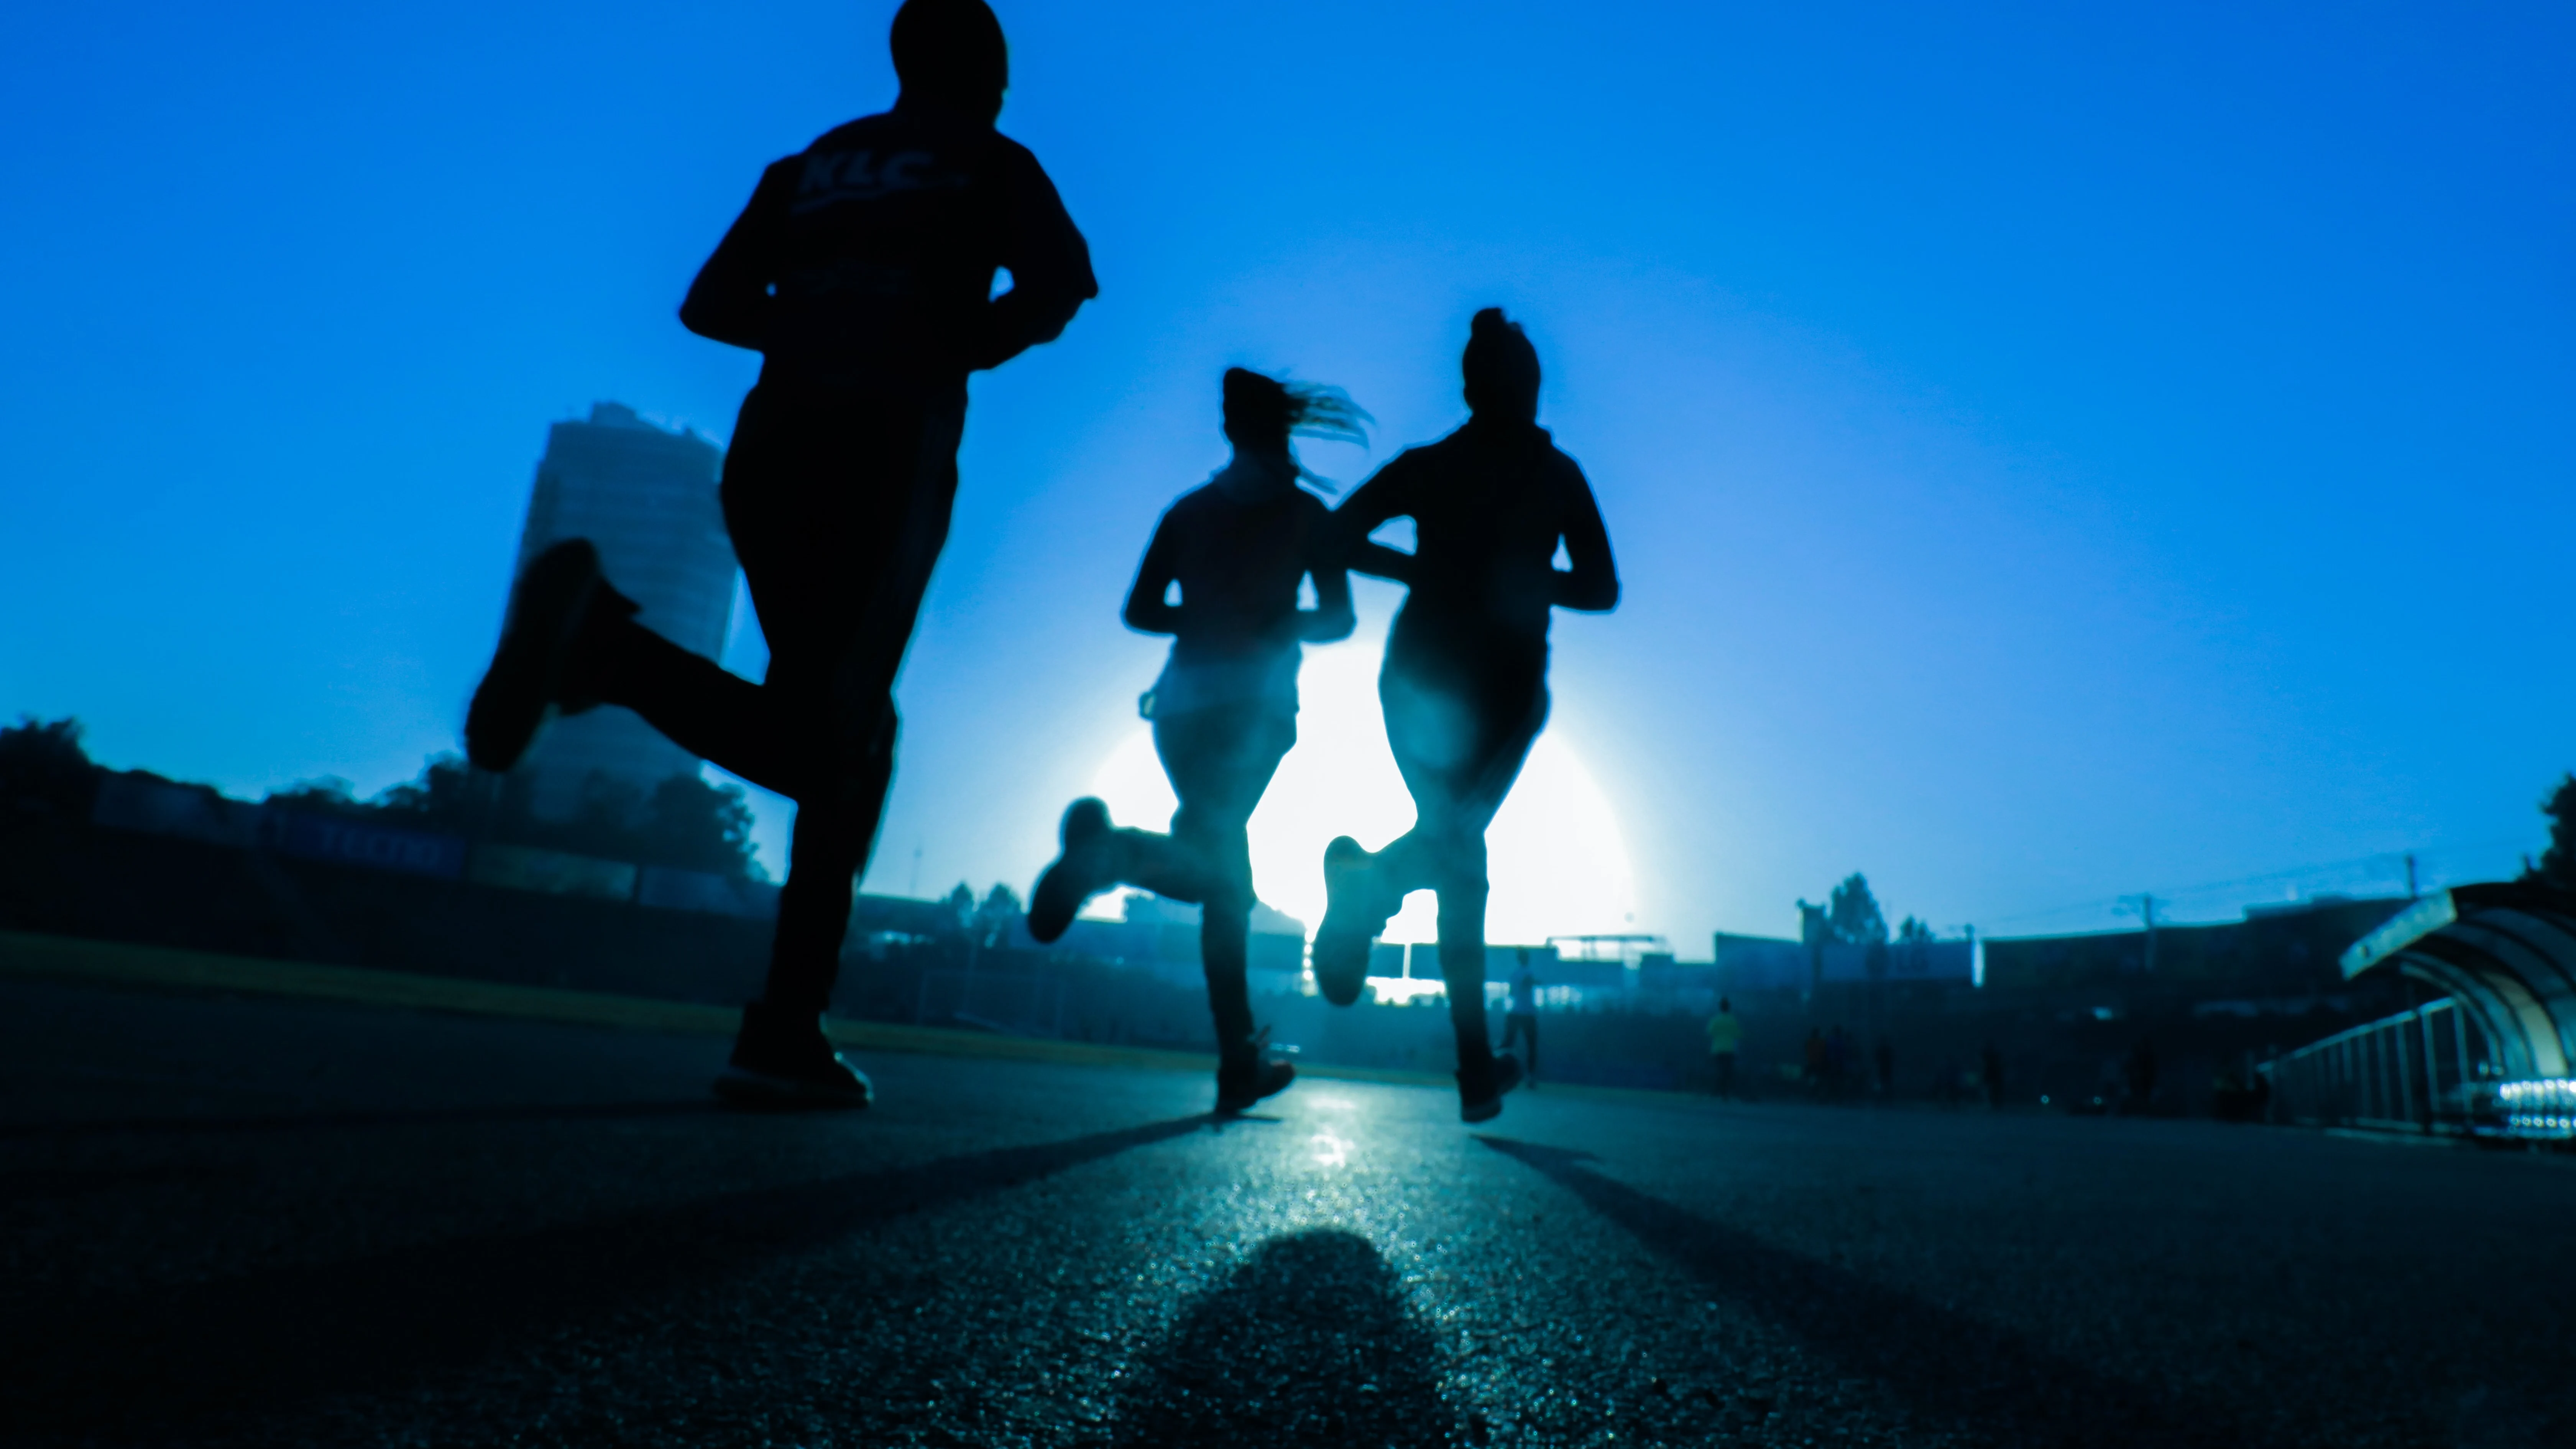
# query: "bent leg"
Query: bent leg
{"points": [[1220, 761], [1166, 865], [1462, 954], [1225, 948], [696, 704], [838, 507], [833, 837], [1460, 743], [1512, 714]]}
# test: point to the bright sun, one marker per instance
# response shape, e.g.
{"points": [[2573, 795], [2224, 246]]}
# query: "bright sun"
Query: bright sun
{"points": [[1554, 854]]}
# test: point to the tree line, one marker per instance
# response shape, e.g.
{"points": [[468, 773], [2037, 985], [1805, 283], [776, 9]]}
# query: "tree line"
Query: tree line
{"points": [[683, 822]]}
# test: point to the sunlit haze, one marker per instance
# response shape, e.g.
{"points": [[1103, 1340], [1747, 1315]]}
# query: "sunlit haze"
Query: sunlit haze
{"points": [[1554, 854]]}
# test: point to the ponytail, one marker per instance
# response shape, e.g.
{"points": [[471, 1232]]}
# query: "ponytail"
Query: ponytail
{"points": [[1263, 412]]}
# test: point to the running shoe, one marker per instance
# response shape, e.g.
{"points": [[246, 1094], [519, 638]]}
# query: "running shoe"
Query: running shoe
{"points": [[1353, 917], [782, 1059], [1481, 1089], [1084, 870], [527, 673], [1247, 1074]]}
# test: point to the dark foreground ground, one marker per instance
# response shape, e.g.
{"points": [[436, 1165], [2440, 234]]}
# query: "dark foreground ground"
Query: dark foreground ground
{"points": [[263, 1222]]}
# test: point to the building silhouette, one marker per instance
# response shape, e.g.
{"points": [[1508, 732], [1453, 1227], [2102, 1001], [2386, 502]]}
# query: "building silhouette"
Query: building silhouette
{"points": [[647, 498]]}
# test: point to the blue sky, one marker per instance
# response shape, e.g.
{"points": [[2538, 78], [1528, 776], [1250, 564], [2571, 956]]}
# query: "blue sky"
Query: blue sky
{"points": [[2054, 452]]}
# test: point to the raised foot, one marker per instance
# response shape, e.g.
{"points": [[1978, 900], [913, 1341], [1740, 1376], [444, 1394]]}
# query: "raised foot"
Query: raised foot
{"points": [[1079, 872], [531, 671], [1353, 917]]}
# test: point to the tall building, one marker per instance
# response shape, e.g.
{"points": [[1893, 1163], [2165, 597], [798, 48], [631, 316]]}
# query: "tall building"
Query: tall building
{"points": [[647, 498]]}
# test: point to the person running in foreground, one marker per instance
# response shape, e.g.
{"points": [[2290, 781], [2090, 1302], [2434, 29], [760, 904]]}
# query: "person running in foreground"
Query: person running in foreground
{"points": [[862, 270], [1225, 708], [1464, 687]]}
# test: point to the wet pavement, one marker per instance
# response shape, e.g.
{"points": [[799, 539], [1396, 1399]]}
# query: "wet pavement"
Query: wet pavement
{"points": [[230, 1220]]}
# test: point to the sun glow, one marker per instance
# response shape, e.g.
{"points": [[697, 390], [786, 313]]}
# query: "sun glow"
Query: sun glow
{"points": [[1554, 854]]}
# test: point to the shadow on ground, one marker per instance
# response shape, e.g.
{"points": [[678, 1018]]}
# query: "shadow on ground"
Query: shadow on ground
{"points": [[359, 1119], [2000, 1385], [1310, 1342], [263, 1342]]}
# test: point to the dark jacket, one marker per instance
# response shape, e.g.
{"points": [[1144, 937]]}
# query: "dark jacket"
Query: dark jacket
{"points": [[868, 258]]}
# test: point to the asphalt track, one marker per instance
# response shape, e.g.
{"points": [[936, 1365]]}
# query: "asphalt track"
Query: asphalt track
{"points": [[258, 1220]]}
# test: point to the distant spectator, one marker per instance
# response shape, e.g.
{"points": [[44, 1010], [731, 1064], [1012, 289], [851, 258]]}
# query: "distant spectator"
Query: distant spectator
{"points": [[1838, 1060], [1817, 1061], [1990, 1064], [1520, 1024], [1884, 1058], [1725, 1034]]}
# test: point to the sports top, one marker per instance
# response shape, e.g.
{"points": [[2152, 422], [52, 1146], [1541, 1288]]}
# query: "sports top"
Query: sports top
{"points": [[1489, 504], [1237, 549]]}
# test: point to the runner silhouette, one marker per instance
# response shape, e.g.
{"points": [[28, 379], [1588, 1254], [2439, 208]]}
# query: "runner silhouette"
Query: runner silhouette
{"points": [[1225, 708], [862, 271], [1464, 687]]}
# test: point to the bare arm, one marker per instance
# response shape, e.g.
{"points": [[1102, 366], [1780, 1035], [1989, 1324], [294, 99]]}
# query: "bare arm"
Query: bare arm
{"points": [[730, 300], [1592, 585], [1146, 613], [1380, 562], [1332, 617], [1382, 497]]}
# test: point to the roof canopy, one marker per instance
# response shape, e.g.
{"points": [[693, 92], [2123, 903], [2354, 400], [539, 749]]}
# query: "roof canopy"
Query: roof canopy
{"points": [[2506, 953]]}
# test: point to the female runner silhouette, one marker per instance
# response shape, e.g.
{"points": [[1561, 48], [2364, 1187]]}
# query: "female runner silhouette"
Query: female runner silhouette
{"points": [[1225, 708], [1464, 687]]}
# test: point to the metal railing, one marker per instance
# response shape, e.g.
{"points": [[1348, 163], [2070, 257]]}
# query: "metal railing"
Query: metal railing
{"points": [[2423, 1070]]}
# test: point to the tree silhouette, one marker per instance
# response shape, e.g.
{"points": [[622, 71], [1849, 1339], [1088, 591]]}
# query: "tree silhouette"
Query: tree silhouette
{"points": [[993, 919], [449, 795], [697, 826], [2558, 862], [1914, 938], [44, 771], [685, 822], [328, 795], [1852, 914]]}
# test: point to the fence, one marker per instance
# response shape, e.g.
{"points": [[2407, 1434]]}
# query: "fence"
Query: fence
{"points": [[2422, 1070], [1015, 1005]]}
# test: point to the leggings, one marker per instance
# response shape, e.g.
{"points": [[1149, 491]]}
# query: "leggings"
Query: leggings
{"points": [[1460, 737], [1220, 760]]}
